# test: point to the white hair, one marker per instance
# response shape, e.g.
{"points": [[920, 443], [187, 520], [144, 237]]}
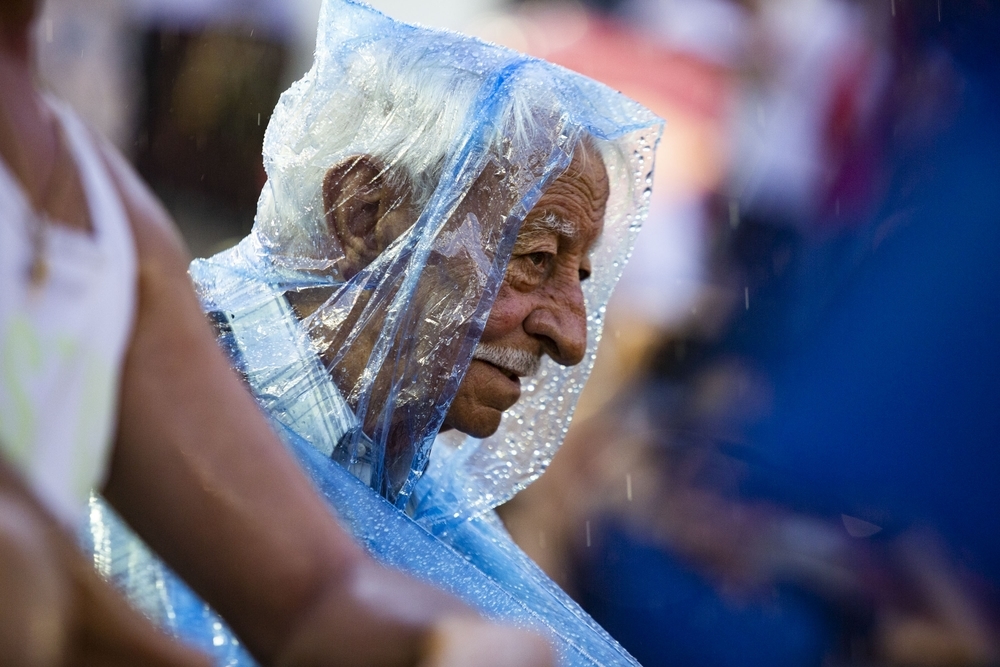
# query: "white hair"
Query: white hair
{"points": [[403, 103]]}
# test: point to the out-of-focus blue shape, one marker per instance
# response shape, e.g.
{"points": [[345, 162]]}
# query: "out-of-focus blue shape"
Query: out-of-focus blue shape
{"points": [[666, 614], [478, 133], [891, 412]]}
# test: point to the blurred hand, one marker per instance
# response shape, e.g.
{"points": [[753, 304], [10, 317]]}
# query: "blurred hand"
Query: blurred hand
{"points": [[943, 623], [460, 642], [379, 616]]}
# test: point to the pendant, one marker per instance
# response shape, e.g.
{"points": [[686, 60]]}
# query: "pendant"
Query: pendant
{"points": [[38, 270]]}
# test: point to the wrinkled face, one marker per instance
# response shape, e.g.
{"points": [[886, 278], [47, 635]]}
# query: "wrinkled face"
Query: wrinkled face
{"points": [[539, 308]]}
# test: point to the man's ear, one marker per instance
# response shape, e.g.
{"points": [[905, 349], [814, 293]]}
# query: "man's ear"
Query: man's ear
{"points": [[364, 209]]}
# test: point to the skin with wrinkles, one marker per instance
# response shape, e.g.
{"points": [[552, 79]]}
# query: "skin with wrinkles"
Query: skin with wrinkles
{"points": [[539, 308]]}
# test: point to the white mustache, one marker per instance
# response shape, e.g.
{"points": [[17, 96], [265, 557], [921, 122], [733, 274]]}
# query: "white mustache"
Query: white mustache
{"points": [[518, 362]]}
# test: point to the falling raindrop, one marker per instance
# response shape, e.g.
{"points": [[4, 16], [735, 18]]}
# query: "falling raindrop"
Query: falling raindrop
{"points": [[628, 486]]}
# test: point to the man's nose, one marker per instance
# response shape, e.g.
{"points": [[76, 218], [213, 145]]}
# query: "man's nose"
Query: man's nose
{"points": [[560, 321]]}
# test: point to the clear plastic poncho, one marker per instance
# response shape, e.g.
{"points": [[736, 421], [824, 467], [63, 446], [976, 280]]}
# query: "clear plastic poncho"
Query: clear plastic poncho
{"points": [[356, 349]]}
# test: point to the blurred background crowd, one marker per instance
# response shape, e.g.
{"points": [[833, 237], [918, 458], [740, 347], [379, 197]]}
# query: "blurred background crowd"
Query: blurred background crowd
{"points": [[788, 451]]}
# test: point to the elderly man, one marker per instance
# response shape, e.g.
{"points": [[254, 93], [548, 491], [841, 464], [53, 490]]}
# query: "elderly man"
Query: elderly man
{"points": [[419, 301]]}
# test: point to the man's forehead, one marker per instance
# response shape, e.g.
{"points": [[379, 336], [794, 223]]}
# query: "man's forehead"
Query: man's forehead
{"points": [[573, 205], [549, 223], [587, 168]]}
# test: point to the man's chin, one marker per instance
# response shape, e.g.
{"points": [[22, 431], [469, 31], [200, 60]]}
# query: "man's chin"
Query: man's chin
{"points": [[481, 423], [485, 393]]}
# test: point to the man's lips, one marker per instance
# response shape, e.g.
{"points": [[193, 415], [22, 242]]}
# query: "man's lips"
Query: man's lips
{"points": [[509, 374]]}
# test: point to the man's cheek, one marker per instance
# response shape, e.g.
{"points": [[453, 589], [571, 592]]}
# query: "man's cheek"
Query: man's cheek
{"points": [[509, 310]]}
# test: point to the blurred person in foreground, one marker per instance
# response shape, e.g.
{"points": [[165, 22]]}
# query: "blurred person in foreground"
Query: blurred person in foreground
{"points": [[102, 339], [418, 304]]}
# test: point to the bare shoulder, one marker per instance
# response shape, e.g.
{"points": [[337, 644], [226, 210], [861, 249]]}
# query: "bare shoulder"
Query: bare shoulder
{"points": [[158, 243]]}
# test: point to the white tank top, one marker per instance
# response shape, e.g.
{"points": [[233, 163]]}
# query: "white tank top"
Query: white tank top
{"points": [[63, 340]]}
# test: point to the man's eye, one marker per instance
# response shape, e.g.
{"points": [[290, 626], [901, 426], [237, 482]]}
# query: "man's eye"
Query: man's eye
{"points": [[539, 259]]}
